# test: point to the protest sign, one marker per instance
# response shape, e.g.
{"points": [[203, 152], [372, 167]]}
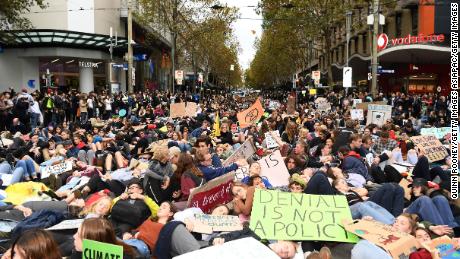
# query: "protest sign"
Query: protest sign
{"points": [[290, 105], [322, 104], [95, 249], [431, 146], [60, 168], [442, 247], [177, 110], [67, 224], [273, 167], [251, 115], [395, 243], [438, 132], [216, 191], [378, 114], [356, 101], [241, 172], [297, 216], [357, 114], [272, 105], [190, 109], [245, 151], [245, 248], [364, 106], [312, 91], [269, 140], [206, 224]]}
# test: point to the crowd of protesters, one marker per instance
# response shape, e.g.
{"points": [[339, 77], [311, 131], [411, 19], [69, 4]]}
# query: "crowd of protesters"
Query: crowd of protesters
{"points": [[133, 195]]}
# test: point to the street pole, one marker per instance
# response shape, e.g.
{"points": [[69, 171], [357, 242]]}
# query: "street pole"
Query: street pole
{"points": [[374, 48], [173, 48], [348, 27], [130, 48]]}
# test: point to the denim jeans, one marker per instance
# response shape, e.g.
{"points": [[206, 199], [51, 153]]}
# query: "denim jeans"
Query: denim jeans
{"points": [[141, 247], [365, 249], [435, 210], [369, 208], [87, 156], [17, 173], [391, 197], [34, 120], [28, 167]]}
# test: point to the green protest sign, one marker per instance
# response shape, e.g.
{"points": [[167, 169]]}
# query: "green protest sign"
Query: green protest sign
{"points": [[293, 216], [98, 250]]}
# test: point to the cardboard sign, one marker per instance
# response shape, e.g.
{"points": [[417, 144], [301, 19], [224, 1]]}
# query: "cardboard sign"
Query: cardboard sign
{"points": [[269, 140], [291, 105], [322, 104], [273, 167], [190, 109], [177, 110], [251, 115], [357, 114], [206, 224], [378, 114], [433, 148], [95, 249], [297, 216], [395, 243], [438, 132], [241, 173], [67, 224], [55, 169], [216, 191], [442, 247], [245, 151], [356, 101], [245, 248]]}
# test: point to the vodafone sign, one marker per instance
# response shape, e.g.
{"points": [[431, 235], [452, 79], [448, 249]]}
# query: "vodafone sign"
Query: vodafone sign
{"points": [[383, 42]]}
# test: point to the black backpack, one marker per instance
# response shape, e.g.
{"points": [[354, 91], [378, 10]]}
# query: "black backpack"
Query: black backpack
{"points": [[131, 212], [22, 104]]}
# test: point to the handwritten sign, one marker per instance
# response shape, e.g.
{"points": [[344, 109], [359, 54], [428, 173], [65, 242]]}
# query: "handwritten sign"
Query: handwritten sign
{"points": [[442, 247], [273, 167], [216, 191], [206, 224], [365, 106], [177, 110], [245, 151], [432, 147], [296, 216], [438, 132], [95, 249], [245, 248], [269, 140], [190, 109], [356, 101], [395, 243], [241, 173], [357, 114], [251, 115], [322, 104], [55, 169], [378, 114]]}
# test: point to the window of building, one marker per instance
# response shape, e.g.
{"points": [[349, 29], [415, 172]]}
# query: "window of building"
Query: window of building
{"points": [[398, 20], [364, 43], [414, 16]]}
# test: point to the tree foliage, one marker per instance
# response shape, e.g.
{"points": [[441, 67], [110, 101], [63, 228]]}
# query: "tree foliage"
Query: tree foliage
{"points": [[11, 10]]}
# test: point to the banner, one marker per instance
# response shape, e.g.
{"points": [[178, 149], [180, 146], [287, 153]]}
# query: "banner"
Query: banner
{"points": [[216, 191], [290, 105], [273, 167], [295, 216], [438, 132], [177, 110], [190, 109], [245, 151], [245, 248], [395, 243], [95, 249], [251, 115], [269, 140], [207, 224], [432, 147], [357, 114], [378, 114], [60, 168]]}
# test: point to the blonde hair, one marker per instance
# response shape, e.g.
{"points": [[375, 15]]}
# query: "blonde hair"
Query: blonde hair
{"points": [[161, 153], [90, 209]]}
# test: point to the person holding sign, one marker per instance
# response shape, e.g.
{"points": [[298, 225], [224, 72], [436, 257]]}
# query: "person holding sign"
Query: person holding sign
{"points": [[205, 165], [101, 230]]}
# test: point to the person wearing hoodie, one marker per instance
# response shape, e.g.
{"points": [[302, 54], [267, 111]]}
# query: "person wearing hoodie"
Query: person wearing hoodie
{"points": [[352, 163]]}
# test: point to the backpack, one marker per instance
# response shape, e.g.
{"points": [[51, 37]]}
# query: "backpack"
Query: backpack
{"points": [[131, 212], [22, 104], [38, 220]]}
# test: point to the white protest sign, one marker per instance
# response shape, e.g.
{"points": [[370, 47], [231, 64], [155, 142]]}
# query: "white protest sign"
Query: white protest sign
{"points": [[55, 169], [206, 224], [347, 72], [245, 248], [438, 132], [322, 104], [241, 173], [6, 179], [67, 224], [245, 151], [356, 101], [357, 114], [273, 167], [378, 114], [269, 140]]}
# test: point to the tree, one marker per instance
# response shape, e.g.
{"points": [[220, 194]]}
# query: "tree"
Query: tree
{"points": [[11, 10]]}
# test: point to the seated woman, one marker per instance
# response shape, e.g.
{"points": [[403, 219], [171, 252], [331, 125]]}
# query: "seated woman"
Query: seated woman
{"points": [[33, 244], [177, 140], [144, 238], [243, 197], [101, 230]]}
